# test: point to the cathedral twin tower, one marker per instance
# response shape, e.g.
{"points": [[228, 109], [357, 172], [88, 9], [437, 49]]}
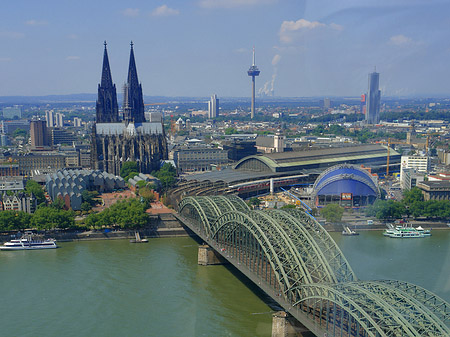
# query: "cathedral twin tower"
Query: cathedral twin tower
{"points": [[116, 140]]}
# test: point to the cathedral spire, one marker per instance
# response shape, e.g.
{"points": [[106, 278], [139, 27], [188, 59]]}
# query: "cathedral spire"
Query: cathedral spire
{"points": [[132, 72], [107, 110], [106, 81], [134, 98]]}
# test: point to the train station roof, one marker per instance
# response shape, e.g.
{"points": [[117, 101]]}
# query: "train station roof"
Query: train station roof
{"points": [[297, 160]]}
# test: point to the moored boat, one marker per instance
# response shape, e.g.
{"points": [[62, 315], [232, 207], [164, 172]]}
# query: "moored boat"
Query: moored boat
{"points": [[29, 242], [406, 232]]}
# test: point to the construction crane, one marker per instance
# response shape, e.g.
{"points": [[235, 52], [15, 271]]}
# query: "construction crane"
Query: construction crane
{"points": [[389, 143]]}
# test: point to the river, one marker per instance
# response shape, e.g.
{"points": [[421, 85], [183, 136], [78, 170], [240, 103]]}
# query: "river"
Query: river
{"points": [[114, 288]]}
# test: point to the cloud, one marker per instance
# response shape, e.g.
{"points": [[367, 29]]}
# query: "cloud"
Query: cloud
{"points": [[36, 23], [72, 58], [72, 36], [12, 35], [165, 11], [241, 51], [233, 3], [276, 59], [131, 12], [5, 59], [290, 29], [400, 40]]}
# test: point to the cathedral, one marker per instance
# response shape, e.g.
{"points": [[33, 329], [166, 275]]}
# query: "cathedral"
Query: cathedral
{"points": [[116, 140]]}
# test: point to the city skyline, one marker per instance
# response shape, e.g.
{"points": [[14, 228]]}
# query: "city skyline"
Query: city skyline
{"points": [[193, 48]]}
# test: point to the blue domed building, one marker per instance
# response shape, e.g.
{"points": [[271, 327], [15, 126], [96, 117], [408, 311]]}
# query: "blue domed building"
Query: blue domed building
{"points": [[346, 185]]}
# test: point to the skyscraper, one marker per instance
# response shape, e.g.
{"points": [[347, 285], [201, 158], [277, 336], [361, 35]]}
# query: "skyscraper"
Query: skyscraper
{"points": [[213, 107], [373, 99], [59, 119], [49, 118], [38, 134]]}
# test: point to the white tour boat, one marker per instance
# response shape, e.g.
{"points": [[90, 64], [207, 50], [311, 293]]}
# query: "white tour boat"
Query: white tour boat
{"points": [[406, 232], [29, 243]]}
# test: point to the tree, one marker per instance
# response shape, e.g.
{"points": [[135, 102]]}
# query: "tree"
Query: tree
{"points": [[141, 183], [147, 194], [131, 175], [167, 175], [254, 201], [85, 206], [288, 206], [33, 187], [128, 167], [50, 218], [19, 132], [13, 220], [88, 196], [230, 131], [332, 212], [386, 209]]}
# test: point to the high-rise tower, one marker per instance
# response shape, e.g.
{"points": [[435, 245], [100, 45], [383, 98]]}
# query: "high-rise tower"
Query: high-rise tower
{"points": [[253, 72], [107, 110], [373, 99], [133, 104], [213, 107]]}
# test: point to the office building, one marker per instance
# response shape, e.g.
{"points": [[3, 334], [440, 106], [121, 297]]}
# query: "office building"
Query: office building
{"points": [[62, 136], [59, 120], [49, 118], [213, 107], [373, 99], [38, 134], [326, 103], [420, 163], [10, 126], [11, 112], [77, 122]]}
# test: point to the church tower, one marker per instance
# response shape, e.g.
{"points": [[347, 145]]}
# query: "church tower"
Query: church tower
{"points": [[107, 110], [133, 104]]}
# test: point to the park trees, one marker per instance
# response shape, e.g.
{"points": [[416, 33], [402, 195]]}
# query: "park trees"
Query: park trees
{"points": [[14, 220], [167, 175], [332, 212], [124, 214], [32, 187]]}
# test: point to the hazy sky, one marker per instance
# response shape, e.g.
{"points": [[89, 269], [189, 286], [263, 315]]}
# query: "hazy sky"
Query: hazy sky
{"points": [[200, 47]]}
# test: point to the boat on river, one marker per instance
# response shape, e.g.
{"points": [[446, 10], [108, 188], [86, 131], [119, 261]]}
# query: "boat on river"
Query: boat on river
{"points": [[29, 242], [406, 232]]}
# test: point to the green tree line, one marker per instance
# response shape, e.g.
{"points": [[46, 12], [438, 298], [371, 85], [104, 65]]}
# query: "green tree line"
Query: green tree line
{"points": [[44, 218], [412, 205], [123, 214]]}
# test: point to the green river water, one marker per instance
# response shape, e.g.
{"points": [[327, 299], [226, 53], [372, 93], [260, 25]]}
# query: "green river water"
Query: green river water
{"points": [[114, 288]]}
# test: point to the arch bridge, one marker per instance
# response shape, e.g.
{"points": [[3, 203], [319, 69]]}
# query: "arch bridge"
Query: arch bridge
{"points": [[294, 260]]}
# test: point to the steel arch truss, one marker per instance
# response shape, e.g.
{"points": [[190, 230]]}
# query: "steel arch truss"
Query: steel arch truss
{"points": [[372, 308], [292, 255]]}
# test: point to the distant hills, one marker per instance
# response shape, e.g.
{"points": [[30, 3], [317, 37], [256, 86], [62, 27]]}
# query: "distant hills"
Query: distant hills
{"points": [[91, 99]]}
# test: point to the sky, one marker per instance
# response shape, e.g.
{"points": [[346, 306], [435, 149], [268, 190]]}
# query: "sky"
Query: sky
{"points": [[303, 48]]}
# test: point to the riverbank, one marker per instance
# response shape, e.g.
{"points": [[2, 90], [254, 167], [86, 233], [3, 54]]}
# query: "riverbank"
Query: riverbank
{"points": [[161, 226]]}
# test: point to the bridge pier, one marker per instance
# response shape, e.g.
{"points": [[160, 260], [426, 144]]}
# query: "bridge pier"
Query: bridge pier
{"points": [[284, 325], [208, 256]]}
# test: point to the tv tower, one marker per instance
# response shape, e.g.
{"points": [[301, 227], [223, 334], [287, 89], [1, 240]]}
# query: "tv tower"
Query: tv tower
{"points": [[253, 71]]}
